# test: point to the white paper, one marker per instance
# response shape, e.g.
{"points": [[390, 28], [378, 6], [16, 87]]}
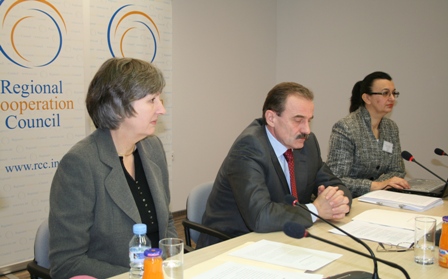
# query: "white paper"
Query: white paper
{"points": [[385, 226], [231, 270], [397, 219], [286, 255], [377, 233]]}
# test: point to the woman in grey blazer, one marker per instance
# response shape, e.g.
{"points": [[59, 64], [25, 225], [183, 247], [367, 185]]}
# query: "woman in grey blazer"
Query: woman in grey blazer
{"points": [[365, 146], [114, 178]]}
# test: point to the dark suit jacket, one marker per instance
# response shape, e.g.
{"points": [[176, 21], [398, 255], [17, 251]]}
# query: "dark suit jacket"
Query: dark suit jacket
{"points": [[250, 188], [92, 210]]}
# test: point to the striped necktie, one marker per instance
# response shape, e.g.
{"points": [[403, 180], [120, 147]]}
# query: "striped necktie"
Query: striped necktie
{"points": [[290, 159]]}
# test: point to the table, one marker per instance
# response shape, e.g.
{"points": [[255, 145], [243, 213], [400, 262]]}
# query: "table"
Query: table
{"points": [[348, 262]]}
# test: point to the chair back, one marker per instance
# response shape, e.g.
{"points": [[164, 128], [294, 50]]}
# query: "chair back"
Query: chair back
{"points": [[40, 266], [42, 245], [196, 203]]}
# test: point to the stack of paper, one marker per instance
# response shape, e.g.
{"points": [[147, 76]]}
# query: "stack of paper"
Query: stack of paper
{"points": [[401, 200]]}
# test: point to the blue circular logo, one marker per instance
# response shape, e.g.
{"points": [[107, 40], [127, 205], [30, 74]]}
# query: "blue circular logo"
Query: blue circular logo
{"points": [[35, 33], [132, 31]]}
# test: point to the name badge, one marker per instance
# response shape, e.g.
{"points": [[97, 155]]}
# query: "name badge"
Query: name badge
{"points": [[388, 146]]}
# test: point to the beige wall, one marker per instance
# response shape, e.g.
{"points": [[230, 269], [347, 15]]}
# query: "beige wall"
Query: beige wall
{"points": [[329, 45], [223, 66]]}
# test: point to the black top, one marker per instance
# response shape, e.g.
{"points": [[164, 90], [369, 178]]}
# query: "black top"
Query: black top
{"points": [[143, 199]]}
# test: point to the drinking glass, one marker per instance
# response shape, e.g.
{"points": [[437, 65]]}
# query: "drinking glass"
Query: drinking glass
{"points": [[425, 228], [173, 257]]}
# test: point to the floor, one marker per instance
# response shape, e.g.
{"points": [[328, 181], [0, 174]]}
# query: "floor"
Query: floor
{"points": [[178, 217]]}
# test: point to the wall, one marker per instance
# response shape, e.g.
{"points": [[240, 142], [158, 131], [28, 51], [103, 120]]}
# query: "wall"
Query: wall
{"points": [[223, 67], [329, 45]]}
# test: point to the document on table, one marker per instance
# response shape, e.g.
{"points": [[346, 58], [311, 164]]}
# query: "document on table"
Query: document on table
{"points": [[232, 270], [397, 219], [383, 226], [401, 200], [224, 266], [286, 255], [377, 233]]}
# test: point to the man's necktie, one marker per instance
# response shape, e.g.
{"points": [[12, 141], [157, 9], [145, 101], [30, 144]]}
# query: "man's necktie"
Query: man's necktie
{"points": [[290, 159]]}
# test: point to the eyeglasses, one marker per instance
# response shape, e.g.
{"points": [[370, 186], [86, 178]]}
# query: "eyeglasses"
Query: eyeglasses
{"points": [[386, 94], [400, 247]]}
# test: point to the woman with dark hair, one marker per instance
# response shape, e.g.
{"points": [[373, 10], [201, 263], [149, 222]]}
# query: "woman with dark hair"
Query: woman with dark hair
{"points": [[365, 151], [114, 178]]}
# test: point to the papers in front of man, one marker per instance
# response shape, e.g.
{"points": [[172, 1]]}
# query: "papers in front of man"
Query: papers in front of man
{"points": [[232, 270], [401, 200], [286, 255], [240, 266], [385, 226]]}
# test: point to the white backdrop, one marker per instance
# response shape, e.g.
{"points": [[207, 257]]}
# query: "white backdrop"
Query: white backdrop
{"points": [[39, 48], [49, 52]]}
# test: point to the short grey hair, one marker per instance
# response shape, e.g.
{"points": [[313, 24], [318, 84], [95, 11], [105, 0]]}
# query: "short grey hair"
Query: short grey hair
{"points": [[116, 84]]}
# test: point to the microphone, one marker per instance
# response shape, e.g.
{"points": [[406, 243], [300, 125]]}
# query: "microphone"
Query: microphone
{"points": [[298, 231], [440, 152], [408, 157]]}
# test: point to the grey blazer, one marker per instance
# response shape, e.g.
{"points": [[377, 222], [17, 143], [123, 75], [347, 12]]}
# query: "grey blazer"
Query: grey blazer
{"points": [[250, 188], [92, 210], [358, 158]]}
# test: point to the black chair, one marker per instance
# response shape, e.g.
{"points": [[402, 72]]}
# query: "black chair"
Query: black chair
{"points": [[196, 202], [40, 266]]}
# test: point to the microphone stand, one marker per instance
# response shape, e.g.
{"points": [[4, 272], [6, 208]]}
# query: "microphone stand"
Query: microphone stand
{"points": [[408, 157], [290, 199], [360, 253], [415, 161]]}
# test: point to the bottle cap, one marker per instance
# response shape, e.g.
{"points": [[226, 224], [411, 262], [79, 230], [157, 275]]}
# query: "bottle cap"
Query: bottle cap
{"points": [[139, 228], [153, 252], [445, 219]]}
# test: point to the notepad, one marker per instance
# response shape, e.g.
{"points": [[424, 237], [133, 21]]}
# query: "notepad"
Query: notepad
{"points": [[401, 200]]}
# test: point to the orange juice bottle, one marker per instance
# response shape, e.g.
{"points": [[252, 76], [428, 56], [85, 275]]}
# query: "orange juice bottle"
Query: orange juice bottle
{"points": [[443, 244], [152, 266]]}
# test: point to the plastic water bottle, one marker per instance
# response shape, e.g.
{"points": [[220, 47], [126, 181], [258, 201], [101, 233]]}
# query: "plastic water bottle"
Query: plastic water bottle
{"points": [[137, 246]]}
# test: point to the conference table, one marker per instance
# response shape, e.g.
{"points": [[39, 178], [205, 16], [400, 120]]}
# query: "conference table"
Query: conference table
{"points": [[348, 262]]}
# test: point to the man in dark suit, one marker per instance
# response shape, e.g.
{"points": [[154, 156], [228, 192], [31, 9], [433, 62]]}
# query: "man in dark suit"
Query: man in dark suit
{"points": [[251, 185]]}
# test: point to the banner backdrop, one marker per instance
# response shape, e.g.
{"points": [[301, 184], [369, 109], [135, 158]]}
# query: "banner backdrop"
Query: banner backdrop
{"points": [[43, 76]]}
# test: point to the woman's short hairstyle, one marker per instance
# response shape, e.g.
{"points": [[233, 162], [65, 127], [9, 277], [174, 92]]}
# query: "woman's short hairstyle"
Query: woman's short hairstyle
{"points": [[119, 82], [364, 86], [276, 98]]}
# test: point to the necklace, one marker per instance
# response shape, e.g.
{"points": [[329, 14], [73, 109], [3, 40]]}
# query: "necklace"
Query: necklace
{"points": [[129, 153]]}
